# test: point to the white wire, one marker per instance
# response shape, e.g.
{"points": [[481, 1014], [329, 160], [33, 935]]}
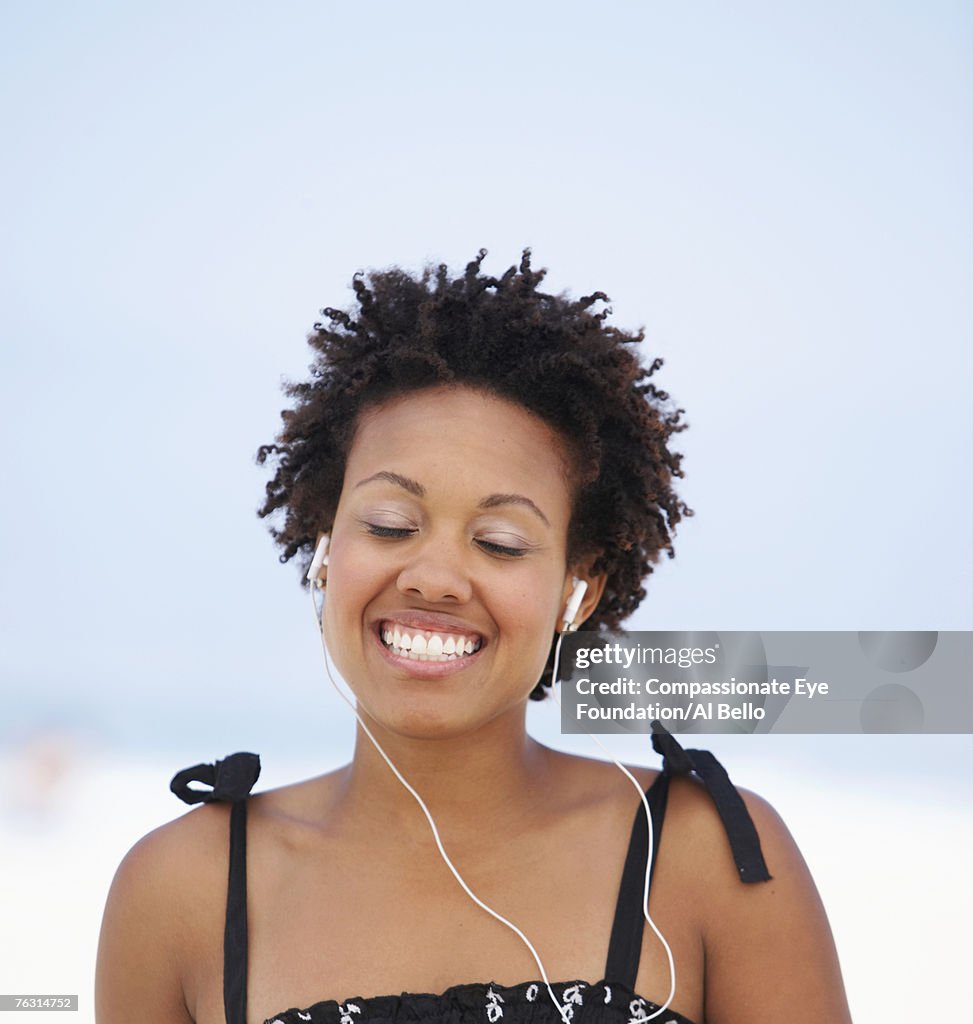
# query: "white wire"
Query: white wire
{"points": [[648, 860], [432, 824]]}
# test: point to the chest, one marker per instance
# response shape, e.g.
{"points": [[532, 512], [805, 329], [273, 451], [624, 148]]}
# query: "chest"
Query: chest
{"points": [[329, 919], [372, 922]]}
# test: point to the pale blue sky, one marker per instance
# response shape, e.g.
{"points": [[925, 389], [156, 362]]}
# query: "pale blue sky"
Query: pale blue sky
{"points": [[778, 192]]}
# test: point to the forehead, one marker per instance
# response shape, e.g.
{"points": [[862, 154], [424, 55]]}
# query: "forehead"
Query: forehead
{"points": [[462, 436]]}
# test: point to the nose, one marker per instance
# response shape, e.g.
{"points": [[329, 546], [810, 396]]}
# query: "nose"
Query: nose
{"points": [[437, 574]]}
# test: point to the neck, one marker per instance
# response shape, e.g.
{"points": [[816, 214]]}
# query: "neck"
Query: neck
{"points": [[499, 775]]}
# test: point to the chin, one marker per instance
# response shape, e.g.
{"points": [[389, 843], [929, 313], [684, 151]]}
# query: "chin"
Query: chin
{"points": [[424, 723]]}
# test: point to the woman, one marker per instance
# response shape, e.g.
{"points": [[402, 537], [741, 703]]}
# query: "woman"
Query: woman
{"points": [[472, 449]]}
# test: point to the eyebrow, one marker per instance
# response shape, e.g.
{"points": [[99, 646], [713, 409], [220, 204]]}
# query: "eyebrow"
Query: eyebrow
{"points": [[513, 499], [416, 488], [412, 486]]}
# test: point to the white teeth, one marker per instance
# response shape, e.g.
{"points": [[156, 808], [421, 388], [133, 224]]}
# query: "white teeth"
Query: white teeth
{"points": [[434, 647]]}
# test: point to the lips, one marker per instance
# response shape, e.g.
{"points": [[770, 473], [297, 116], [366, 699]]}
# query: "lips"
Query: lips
{"points": [[436, 645]]}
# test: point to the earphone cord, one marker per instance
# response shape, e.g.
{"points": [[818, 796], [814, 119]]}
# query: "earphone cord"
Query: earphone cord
{"points": [[432, 824], [648, 861]]}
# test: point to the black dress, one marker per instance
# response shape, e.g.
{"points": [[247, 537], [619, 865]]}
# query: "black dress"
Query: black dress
{"points": [[611, 1000]]}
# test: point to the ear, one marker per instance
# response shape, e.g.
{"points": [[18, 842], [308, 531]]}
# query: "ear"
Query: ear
{"points": [[596, 587]]}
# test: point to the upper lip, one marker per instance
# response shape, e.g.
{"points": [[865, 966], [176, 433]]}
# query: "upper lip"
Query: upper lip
{"points": [[435, 622]]}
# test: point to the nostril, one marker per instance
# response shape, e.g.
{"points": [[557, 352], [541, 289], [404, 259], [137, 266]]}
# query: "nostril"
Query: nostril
{"points": [[435, 583]]}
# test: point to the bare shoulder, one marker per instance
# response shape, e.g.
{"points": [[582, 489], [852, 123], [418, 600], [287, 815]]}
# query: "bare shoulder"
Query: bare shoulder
{"points": [[162, 933], [589, 786], [769, 952], [163, 909], [156, 866], [697, 836], [181, 867]]}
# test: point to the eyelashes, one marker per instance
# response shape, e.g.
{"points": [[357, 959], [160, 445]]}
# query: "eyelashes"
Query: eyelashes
{"points": [[402, 532], [376, 530], [500, 549]]}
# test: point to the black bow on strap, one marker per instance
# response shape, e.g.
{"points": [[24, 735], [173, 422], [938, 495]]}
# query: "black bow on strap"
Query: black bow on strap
{"points": [[231, 779], [740, 830]]}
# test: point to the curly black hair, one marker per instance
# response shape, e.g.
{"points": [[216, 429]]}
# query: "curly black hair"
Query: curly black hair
{"points": [[549, 354]]}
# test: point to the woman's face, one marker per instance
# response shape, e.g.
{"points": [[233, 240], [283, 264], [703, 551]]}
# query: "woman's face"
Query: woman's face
{"points": [[447, 566]]}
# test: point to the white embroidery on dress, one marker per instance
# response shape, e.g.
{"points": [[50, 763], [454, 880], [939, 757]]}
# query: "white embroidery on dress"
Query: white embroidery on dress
{"points": [[493, 1008], [531, 993], [637, 1009], [573, 994], [572, 998], [608, 994], [346, 1010], [303, 1016]]}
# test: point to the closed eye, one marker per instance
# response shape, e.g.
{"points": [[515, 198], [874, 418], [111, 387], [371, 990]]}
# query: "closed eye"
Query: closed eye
{"points": [[377, 530], [501, 549]]}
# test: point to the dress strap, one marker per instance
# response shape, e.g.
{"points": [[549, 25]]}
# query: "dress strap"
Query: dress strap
{"points": [[625, 945], [231, 779], [739, 826]]}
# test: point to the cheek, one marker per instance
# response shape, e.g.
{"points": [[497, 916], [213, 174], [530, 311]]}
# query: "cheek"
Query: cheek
{"points": [[530, 612], [353, 581]]}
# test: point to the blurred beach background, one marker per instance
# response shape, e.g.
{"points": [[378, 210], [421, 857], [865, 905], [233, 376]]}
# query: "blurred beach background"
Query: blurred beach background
{"points": [[779, 193]]}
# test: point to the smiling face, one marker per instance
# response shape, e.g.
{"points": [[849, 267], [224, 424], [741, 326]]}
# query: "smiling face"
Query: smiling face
{"points": [[447, 566]]}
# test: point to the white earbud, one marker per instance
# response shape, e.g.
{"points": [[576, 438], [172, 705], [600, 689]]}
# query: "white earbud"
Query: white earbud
{"points": [[574, 603], [319, 561]]}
